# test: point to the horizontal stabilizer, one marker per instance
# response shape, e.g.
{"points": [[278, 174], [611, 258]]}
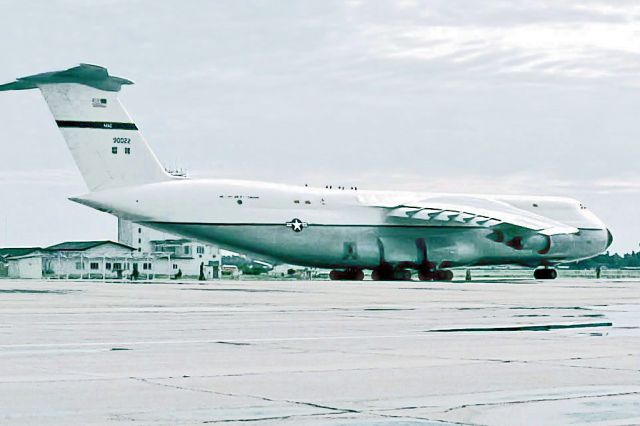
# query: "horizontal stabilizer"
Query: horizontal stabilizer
{"points": [[90, 75]]}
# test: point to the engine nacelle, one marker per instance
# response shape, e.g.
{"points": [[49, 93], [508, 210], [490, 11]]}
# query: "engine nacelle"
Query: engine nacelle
{"points": [[535, 242]]}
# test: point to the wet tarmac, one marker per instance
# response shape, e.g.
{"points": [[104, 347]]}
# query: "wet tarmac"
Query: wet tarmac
{"points": [[526, 352]]}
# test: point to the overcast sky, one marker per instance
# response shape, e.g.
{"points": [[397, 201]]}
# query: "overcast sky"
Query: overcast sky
{"points": [[495, 96]]}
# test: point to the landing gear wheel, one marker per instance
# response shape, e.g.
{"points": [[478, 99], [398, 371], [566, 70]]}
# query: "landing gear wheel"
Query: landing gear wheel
{"points": [[346, 275], [435, 275], [443, 275], [403, 275], [425, 275], [545, 274], [384, 274]]}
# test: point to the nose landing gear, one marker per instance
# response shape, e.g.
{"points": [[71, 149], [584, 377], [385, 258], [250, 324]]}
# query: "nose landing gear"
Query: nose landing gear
{"points": [[545, 274]]}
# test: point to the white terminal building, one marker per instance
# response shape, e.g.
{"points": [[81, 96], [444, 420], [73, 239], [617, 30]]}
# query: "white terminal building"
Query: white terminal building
{"points": [[140, 251], [181, 254]]}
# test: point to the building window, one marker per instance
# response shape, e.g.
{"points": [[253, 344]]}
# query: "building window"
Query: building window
{"points": [[139, 249], [114, 149], [108, 266], [200, 250], [175, 266], [139, 240], [94, 266], [79, 266], [127, 151], [117, 266], [187, 250], [139, 230], [146, 266]]}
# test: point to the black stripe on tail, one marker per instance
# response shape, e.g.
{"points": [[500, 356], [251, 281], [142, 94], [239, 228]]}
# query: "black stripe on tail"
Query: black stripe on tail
{"points": [[97, 125]]}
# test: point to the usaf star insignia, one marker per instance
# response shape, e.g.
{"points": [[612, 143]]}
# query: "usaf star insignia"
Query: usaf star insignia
{"points": [[297, 225]]}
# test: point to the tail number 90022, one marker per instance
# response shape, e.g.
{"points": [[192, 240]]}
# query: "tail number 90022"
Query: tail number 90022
{"points": [[121, 140]]}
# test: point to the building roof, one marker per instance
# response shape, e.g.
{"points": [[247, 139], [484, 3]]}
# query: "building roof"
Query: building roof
{"points": [[83, 245], [17, 251]]}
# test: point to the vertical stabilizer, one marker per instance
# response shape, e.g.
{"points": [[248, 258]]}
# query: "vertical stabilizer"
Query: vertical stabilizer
{"points": [[105, 143]]}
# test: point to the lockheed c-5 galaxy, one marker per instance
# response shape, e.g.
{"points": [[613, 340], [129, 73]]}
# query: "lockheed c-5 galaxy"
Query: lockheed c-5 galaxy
{"points": [[346, 230]]}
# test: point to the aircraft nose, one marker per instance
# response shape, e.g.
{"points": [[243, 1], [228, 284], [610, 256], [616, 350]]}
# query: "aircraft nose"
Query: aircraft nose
{"points": [[609, 238]]}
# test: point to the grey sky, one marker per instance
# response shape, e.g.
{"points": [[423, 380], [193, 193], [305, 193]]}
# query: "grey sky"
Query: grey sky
{"points": [[493, 96]]}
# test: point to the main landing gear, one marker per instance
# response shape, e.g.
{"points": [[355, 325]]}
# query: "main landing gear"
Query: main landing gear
{"points": [[387, 273], [390, 274], [346, 275], [545, 274], [435, 275]]}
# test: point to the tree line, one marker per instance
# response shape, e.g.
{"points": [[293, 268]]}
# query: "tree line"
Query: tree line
{"points": [[610, 261]]}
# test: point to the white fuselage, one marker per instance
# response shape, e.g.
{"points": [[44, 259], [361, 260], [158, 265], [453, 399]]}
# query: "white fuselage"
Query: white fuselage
{"points": [[338, 228]]}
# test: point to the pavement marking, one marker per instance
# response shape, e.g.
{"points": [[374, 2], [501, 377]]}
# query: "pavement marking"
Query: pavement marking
{"points": [[292, 339]]}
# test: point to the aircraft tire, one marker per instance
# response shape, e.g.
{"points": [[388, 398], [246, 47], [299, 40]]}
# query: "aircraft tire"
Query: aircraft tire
{"points": [[378, 275], [443, 275], [403, 275], [346, 275], [384, 274], [545, 274], [425, 275]]}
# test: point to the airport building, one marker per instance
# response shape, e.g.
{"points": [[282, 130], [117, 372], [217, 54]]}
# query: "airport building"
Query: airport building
{"points": [[140, 251], [73, 259], [184, 255], [110, 260]]}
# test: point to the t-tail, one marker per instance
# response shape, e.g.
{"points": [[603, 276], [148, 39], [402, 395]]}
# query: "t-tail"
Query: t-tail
{"points": [[105, 143]]}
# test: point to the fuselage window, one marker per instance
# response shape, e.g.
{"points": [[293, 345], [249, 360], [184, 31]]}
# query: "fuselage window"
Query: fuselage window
{"points": [[296, 202], [114, 149], [127, 150], [307, 202]]}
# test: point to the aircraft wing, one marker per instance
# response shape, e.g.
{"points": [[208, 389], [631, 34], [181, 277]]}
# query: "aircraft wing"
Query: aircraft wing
{"points": [[510, 225]]}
